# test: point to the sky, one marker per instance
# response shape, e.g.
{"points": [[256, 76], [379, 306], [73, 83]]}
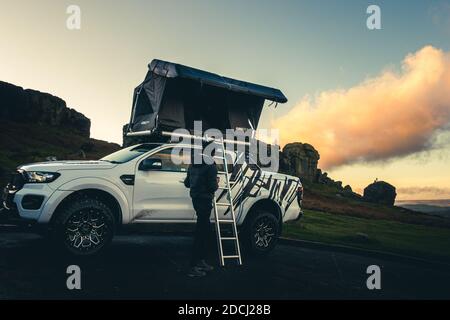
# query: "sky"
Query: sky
{"points": [[373, 102]]}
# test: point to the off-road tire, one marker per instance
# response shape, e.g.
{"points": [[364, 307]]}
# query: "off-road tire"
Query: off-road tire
{"points": [[84, 227], [260, 234]]}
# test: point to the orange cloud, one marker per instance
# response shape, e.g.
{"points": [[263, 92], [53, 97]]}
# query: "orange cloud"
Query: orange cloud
{"points": [[391, 115]]}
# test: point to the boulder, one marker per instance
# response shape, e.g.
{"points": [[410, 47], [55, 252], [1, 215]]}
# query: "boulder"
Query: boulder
{"points": [[300, 159], [380, 192], [348, 189]]}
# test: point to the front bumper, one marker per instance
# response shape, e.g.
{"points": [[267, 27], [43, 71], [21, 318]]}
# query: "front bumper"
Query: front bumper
{"points": [[19, 200]]}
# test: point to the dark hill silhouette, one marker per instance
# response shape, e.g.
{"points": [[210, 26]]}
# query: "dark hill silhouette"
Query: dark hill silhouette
{"points": [[35, 126]]}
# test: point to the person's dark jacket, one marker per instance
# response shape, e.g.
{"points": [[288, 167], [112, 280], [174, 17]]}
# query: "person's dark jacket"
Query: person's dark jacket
{"points": [[202, 180]]}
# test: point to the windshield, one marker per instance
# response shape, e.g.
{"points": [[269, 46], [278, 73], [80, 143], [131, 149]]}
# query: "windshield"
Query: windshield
{"points": [[130, 153]]}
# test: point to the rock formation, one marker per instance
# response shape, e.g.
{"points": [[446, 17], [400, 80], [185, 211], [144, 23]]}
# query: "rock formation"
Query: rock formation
{"points": [[36, 126], [380, 192], [30, 106], [300, 159]]}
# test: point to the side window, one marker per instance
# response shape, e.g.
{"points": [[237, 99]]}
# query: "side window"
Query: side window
{"points": [[178, 162]]}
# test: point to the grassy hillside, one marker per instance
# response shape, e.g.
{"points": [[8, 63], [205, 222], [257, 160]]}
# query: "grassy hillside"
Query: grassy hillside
{"points": [[325, 199], [332, 218], [24, 143], [375, 234]]}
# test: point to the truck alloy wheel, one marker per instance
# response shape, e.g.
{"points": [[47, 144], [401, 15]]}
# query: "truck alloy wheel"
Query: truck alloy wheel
{"points": [[261, 233], [86, 229], [264, 232]]}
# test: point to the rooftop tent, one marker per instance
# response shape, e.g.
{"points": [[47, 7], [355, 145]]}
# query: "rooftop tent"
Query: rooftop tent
{"points": [[174, 96]]}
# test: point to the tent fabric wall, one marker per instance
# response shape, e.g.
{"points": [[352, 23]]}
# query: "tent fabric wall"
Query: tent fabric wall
{"points": [[171, 113], [154, 90], [146, 103], [174, 96]]}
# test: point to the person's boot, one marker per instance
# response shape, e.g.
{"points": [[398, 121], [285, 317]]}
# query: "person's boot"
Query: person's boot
{"points": [[196, 272], [204, 266]]}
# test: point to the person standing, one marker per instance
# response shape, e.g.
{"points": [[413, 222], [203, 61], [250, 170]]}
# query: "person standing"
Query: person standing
{"points": [[202, 181]]}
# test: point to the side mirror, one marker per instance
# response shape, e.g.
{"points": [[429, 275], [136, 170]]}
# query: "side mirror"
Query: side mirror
{"points": [[150, 164]]}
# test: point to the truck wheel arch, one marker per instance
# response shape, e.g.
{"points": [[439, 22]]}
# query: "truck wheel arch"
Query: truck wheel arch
{"points": [[267, 205], [93, 185], [102, 195]]}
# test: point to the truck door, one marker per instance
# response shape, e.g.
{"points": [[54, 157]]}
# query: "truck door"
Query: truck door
{"points": [[159, 192]]}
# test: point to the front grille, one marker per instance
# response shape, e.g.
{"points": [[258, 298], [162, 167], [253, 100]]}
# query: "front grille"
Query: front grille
{"points": [[17, 181]]}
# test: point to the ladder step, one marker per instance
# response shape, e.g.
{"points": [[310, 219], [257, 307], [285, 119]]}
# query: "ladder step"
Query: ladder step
{"points": [[226, 221], [228, 238], [220, 204], [224, 188], [231, 257]]}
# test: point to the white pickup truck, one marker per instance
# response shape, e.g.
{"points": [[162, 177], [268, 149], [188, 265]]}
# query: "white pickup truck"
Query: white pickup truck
{"points": [[85, 202]]}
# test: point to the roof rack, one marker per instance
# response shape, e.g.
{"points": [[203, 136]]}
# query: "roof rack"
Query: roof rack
{"points": [[205, 138]]}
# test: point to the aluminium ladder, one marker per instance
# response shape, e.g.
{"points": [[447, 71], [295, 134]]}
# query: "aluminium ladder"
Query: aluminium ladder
{"points": [[219, 221]]}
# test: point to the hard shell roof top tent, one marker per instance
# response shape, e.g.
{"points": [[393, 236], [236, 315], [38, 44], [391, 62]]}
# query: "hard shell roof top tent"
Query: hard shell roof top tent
{"points": [[174, 96]]}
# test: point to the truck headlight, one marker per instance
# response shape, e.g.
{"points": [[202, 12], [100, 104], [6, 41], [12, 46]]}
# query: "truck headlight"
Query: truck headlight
{"points": [[40, 176]]}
